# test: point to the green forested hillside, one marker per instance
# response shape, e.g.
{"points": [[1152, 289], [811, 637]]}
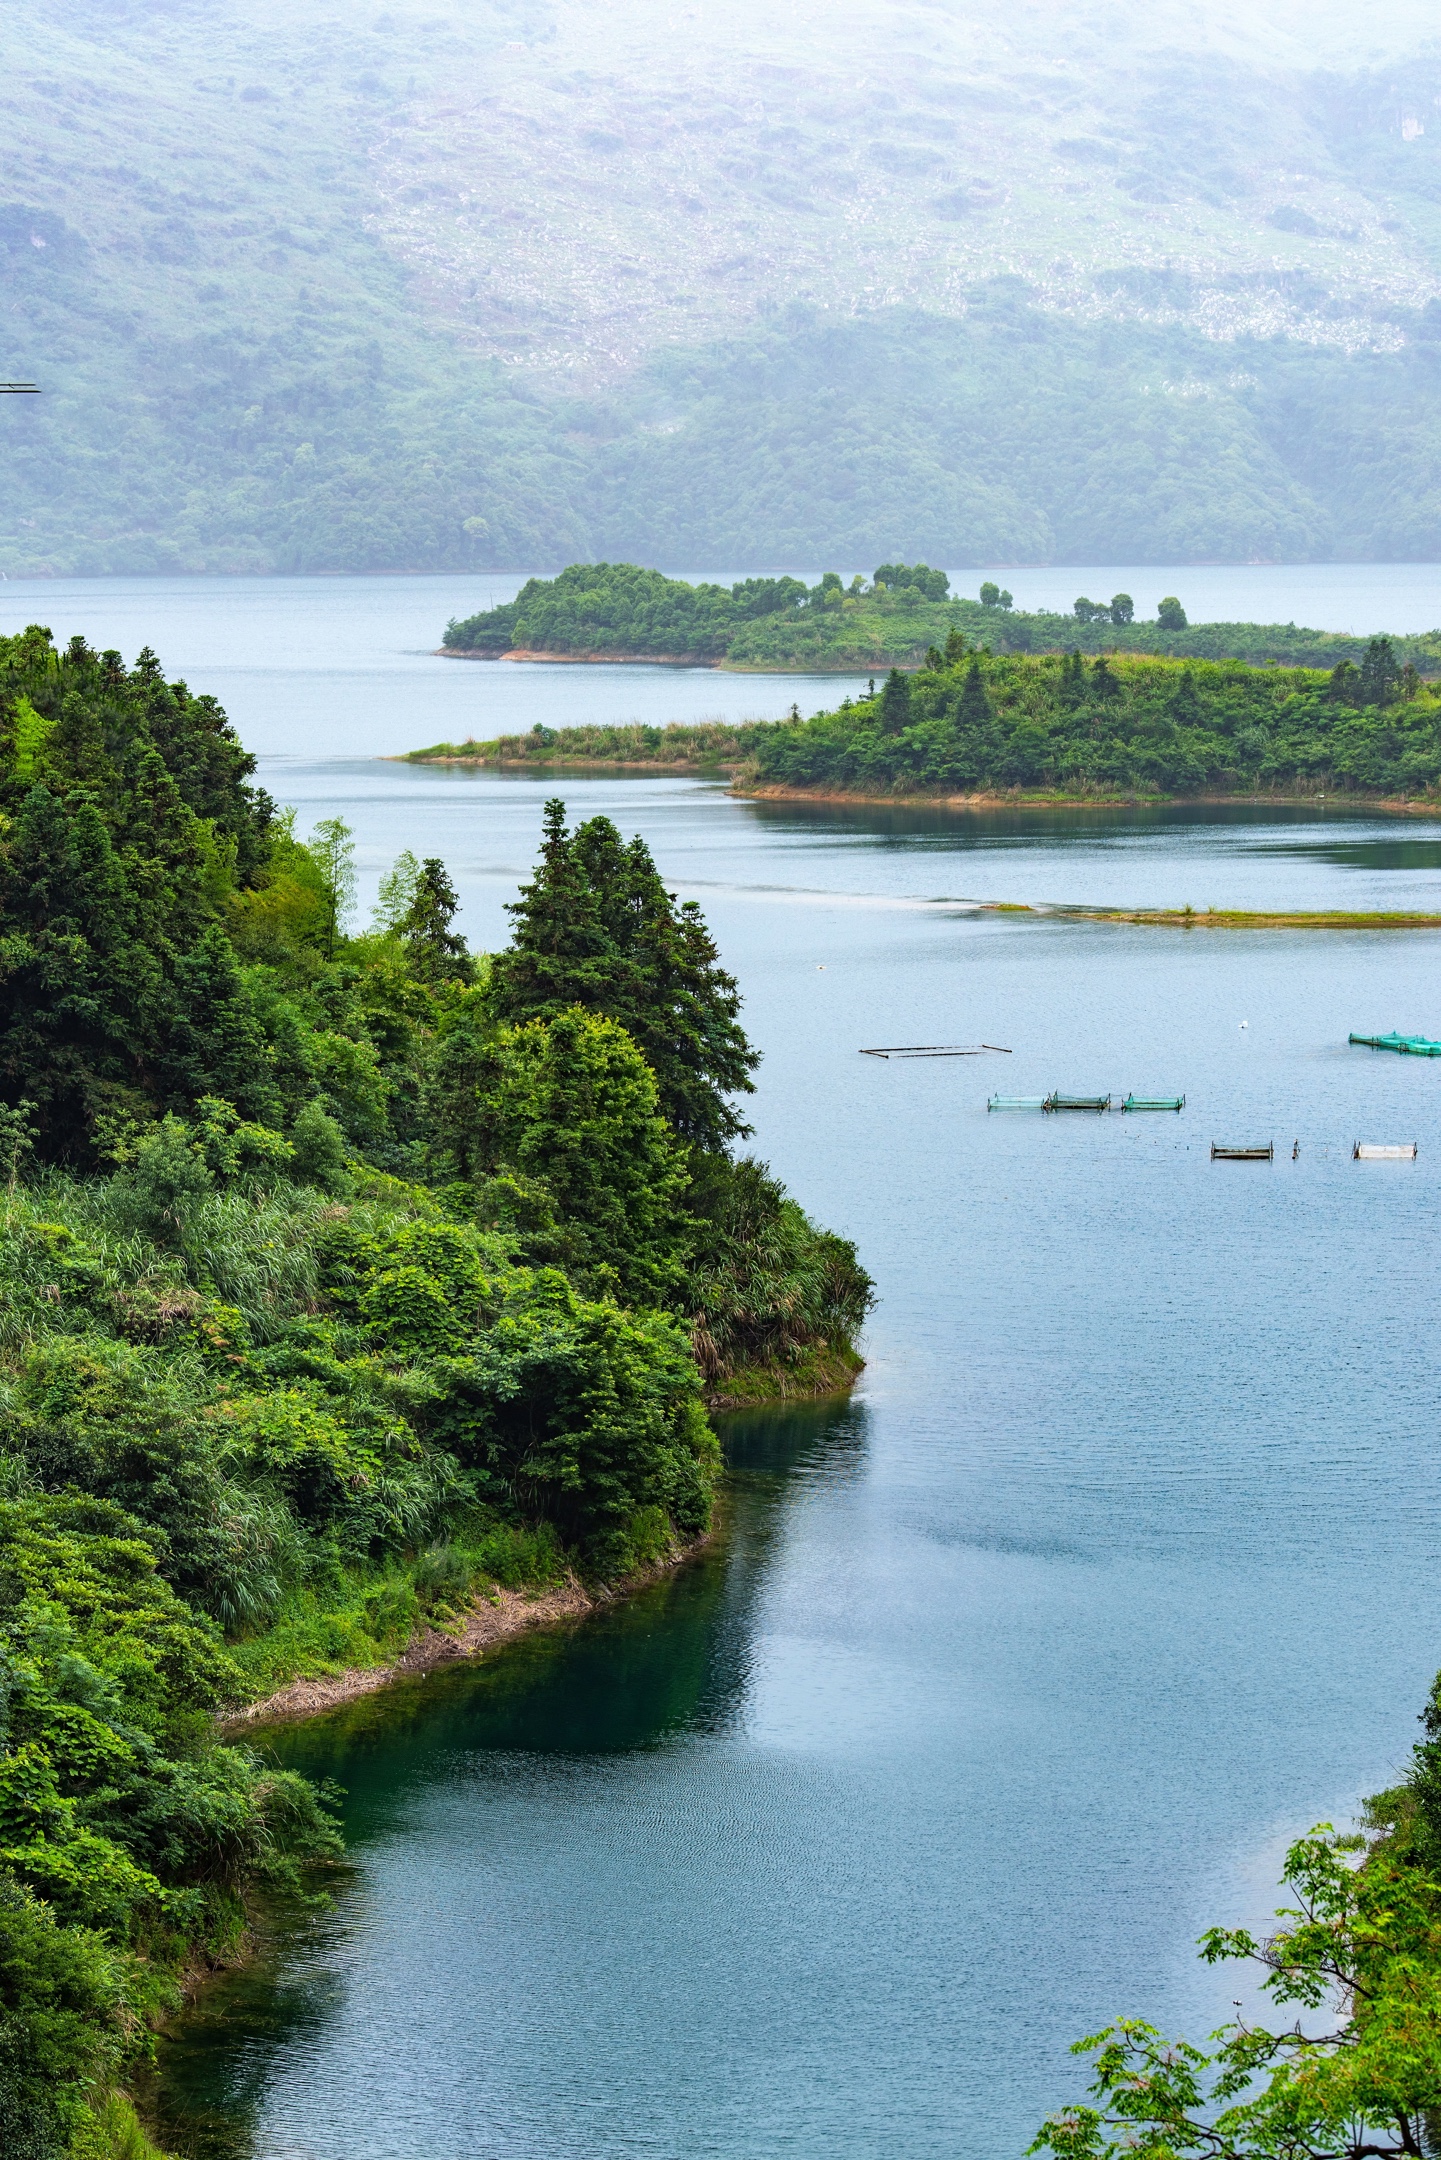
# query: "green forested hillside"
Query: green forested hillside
{"points": [[345, 1277], [231, 374], [437, 288]]}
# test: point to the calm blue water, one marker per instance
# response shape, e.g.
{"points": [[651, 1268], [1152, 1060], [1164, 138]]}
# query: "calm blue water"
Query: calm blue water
{"points": [[1011, 1673], [347, 666]]}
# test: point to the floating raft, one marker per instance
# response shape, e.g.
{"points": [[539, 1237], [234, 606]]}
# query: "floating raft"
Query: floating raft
{"points": [[1408, 1045], [1367, 1151], [1077, 1102], [890, 1050], [1154, 1102], [1018, 1102], [1242, 1154]]}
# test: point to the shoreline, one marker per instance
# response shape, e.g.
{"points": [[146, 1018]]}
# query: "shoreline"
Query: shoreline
{"points": [[979, 799], [586, 659], [775, 791], [720, 770], [722, 665], [485, 1625], [498, 1616], [1220, 918]]}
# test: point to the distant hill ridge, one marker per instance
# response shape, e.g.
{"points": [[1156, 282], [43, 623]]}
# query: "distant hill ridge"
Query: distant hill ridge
{"points": [[442, 288], [609, 611]]}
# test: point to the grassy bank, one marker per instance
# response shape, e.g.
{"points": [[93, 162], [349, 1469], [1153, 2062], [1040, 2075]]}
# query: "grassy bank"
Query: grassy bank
{"points": [[704, 746], [1186, 918]]}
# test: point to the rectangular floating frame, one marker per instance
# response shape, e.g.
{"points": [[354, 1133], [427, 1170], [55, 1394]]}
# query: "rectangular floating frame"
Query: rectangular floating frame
{"points": [[1407, 1045], [1017, 1102], [1154, 1102], [890, 1050], [1242, 1154], [1371, 1151], [1077, 1102]]}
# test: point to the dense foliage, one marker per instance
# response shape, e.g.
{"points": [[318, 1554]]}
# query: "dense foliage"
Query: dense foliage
{"points": [[617, 608], [975, 722], [972, 721], [679, 746], [342, 1277], [612, 608], [1355, 2072]]}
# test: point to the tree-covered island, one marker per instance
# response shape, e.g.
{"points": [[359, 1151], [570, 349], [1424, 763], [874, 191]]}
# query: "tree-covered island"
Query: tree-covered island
{"points": [[976, 723], [616, 611], [348, 1278]]}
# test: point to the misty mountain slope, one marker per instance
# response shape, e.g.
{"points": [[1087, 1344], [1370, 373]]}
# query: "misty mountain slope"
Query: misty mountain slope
{"points": [[516, 281], [234, 373], [607, 191], [1035, 439]]}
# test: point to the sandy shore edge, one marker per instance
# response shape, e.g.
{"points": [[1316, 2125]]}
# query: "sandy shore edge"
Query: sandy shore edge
{"points": [[1352, 804], [488, 1622], [491, 1620]]}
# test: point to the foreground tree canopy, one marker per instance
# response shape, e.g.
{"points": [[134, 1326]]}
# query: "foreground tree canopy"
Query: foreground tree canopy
{"points": [[343, 1274], [1353, 2072]]}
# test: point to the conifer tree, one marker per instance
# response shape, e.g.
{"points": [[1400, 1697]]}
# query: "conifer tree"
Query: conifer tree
{"points": [[596, 928], [80, 990], [896, 703], [436, 953], [1380, 673], [973, 707], [577, 1107], [215, 1043]]}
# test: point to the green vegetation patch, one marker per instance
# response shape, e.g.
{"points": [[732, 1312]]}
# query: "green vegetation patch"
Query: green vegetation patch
{"points": [[609, 610], [1059, 728], [972, 722], [681, 746], [345, 1277]]}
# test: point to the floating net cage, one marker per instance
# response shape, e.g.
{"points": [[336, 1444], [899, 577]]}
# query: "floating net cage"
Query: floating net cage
{"points": [[1407, 1045]]}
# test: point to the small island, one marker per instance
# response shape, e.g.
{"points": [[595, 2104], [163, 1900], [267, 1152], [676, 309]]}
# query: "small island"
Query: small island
{"points": [[976, 726], [613, 612]]}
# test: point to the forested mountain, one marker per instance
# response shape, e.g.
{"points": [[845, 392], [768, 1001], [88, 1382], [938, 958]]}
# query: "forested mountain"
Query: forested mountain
{"points": [[433, 288]]}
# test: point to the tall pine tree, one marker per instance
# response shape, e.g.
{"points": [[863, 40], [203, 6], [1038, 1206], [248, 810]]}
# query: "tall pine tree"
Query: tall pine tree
{"points": [[596, 928]]}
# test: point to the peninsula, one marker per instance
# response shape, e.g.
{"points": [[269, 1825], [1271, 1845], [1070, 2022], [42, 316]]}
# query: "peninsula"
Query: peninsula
{"points": [[363, 1300], [975, 726]]}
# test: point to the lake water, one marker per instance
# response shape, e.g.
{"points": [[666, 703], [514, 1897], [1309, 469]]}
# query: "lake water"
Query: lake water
{"points": [[347, 666], [1009, 1674]]}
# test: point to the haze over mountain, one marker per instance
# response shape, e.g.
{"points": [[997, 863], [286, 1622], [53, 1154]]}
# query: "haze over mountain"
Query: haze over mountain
{"points": [[495, 285]]}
